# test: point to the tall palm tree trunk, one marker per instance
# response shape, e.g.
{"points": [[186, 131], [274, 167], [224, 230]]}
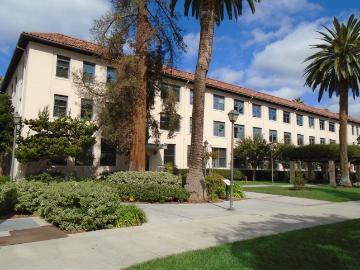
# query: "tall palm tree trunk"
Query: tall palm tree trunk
{"points": [[344, 162], [138, 139], [195, 182]]}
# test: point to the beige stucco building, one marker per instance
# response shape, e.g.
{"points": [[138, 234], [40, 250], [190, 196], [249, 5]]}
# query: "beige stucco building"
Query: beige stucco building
{"points": [[39, 76]]}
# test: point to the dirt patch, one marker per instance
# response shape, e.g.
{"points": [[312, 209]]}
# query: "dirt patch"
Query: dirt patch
{"points": [[32, 235]]}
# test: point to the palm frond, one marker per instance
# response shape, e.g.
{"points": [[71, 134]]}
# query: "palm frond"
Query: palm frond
{"points": [[234, 8], [336, 61]]}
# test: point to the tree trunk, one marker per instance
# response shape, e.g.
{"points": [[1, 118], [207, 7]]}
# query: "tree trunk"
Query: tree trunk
{"points": [[344, 162], [138, 140], [195, 182], [254, 174], [2, 159]]}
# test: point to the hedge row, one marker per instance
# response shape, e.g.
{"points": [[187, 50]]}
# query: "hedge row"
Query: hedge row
{"points": [[239, 174], [71, 206], [144, 178], [151, 193], [319, 152]]}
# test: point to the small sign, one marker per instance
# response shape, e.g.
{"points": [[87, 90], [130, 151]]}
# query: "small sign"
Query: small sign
{"points": [[227, 182]]}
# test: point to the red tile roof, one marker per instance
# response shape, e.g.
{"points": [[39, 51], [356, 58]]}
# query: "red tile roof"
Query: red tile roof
{"points": [[92, 48], [216, 84], [66, 41]]}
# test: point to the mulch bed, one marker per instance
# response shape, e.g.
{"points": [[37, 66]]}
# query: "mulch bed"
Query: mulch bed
{"points": [[32, 235]]}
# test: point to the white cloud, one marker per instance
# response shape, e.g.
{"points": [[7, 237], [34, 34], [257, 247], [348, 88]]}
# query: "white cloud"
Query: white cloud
{"points": [[354, 106], [279, 67], [260, 36], [227, 74], [192, 42], [287, 92], [72, 17], [273, 11]]}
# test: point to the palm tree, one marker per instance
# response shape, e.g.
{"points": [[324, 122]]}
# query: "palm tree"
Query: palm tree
{"points": [[335, 68], [298, 100], [209, 12]]}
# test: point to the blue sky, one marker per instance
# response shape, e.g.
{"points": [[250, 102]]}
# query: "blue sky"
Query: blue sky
{"points": [[264, 51]]}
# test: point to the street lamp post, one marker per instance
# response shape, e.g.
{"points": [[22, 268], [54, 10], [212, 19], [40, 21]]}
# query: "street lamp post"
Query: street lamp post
{"points": [[17, 119], [233, 116]]}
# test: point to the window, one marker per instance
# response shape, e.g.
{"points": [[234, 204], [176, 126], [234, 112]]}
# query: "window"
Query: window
{"points": [[300, 139], [322, 141], [191, 97], [331, 126], [219, 129], [287, 137], [108, 154], [89, 71], [272, 114], [219, 103], [256, 110], [322, 124], [352, 130], [239, 106], [311, 122], [190, 125], [311, 140], [110, 74], [257, 132], [219, 157], [86, 109], [239, 131], [62, 66], [188, 154], [60, 105], [170, 89], [286, 117], [332, 141], [165, 121], [86, 158], [357, 131], [299, 120], [169, 154], [272, 136]]}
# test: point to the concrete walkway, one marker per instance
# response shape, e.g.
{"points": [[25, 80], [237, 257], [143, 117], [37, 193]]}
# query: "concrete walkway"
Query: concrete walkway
{"points": [[275, 185], [175, 228]]}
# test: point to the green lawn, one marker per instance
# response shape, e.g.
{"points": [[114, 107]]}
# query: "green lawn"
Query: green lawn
{"points": [[334, 246], [260, 183], [326, 193]]}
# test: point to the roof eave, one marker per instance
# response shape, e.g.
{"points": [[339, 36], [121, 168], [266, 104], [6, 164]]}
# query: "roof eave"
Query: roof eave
{"points": [[21, 46]]}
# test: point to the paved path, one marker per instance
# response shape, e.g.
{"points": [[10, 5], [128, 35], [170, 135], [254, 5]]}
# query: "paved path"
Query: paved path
{"points": [[174, 228], [275, 185]]}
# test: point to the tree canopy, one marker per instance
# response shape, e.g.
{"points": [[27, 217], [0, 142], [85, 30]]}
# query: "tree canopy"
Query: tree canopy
{"points": [[253, 150], [117, 100], [319, 152], [6, 123], [55, 140]]}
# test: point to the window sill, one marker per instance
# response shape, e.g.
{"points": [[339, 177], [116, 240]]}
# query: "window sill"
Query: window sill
{"points": [[62, 78]]}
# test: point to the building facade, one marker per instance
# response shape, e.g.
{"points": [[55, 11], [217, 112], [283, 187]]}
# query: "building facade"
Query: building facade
{"points": [[40, 75]]}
